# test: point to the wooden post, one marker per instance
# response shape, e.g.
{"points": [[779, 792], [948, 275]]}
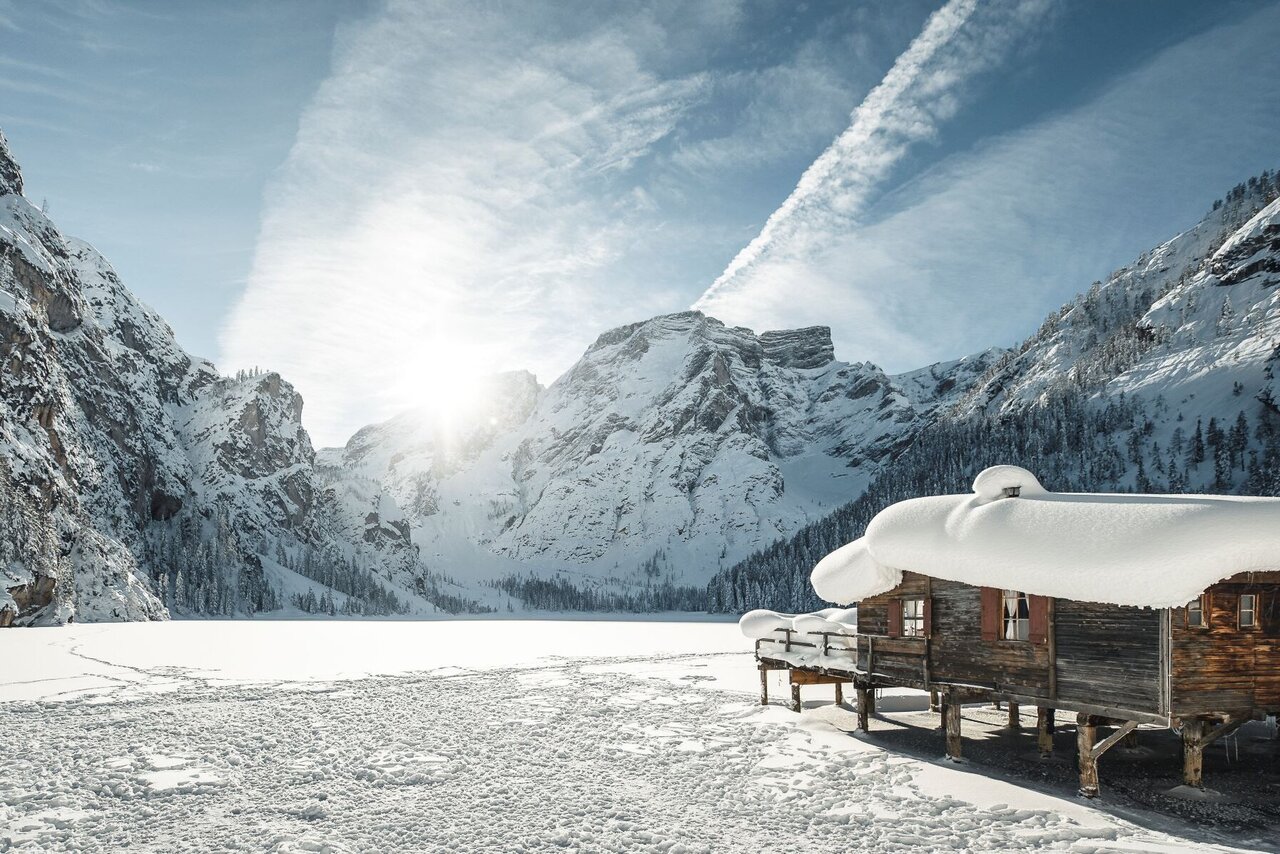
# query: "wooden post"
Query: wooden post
{"points": [[1086, 738], [795, 696], [839, 694], [871, 701], [1015, 718], [1044, 731], [764, 685], [864, 701], [951, 722], [1193, 753], [933, 700]]}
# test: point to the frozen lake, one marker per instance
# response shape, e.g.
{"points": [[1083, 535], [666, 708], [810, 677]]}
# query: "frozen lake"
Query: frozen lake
{"points": [[476, 736]]}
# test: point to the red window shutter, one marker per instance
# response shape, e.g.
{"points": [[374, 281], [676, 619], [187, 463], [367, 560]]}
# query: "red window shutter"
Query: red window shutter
{"points": [[1038, 626], [895, 618], [990, 613], [928, 616]]}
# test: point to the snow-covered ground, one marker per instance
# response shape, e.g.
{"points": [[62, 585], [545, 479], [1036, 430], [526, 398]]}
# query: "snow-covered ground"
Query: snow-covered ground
{"points": [[481, 736]]}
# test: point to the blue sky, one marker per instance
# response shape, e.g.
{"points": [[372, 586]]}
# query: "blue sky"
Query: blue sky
{"points": [[384, 200]]}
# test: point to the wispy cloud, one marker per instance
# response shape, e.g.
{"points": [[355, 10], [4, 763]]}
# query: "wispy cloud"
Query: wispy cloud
{"points": [[975, 250], [924, 88], [452, 205]]}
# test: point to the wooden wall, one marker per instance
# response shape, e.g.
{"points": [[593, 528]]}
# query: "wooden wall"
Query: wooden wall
{"points": [[1108, 655], [959, 654], [1223, 668], [899, 659]]}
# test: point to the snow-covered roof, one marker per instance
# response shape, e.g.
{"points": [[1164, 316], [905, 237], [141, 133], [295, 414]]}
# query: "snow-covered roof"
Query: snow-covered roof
{"points": [[1157, 551]]}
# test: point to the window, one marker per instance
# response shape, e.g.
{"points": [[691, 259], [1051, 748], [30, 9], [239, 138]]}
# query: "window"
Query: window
{"points": [[913, 618], [1248, 610], [1195, 613], [1016, 614]]}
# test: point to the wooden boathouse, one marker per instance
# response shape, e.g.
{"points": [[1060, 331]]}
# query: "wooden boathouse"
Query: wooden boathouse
{"points": [[1128, 610]]}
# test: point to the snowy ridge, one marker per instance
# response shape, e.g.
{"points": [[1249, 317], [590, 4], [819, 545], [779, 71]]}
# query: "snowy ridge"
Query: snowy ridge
{"points": [[1155, 551], [672, 448], [1162, 379]]}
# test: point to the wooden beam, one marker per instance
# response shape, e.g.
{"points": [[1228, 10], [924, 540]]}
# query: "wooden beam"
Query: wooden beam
{"points": [[864, 702], [1044, 731], [1193, 753], [813, 677], [764, 685], [795, 696], [1223, 729], [1111, 740], [839, 693], [1086, 736], [1015, 718], [951, 723], [1090, 750]]}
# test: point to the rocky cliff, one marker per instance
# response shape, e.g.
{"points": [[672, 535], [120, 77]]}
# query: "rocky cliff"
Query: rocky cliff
{"points": [[134, 479]]}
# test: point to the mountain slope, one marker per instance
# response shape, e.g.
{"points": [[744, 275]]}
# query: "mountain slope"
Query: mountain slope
{"points": [[1160, 379], [672, 447], [134, 479]]}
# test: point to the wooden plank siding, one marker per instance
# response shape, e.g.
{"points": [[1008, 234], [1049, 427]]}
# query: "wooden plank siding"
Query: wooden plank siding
{"points": [[1108, 655], [959, 655], [1222, 668], [1113, 660], [894, 660]]}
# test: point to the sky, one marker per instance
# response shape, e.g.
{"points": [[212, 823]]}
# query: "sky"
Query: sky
{"points": [[386, 200]]}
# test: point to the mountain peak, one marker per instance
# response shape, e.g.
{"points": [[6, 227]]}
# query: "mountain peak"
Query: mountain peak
{"points": [[10, 174]]}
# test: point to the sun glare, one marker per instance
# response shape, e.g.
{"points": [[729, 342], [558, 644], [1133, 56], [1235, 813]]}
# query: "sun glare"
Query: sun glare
{"points": [[443, 383]]}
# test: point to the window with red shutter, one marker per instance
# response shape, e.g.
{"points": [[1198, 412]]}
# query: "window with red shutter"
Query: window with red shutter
{"points": [[990, 617]]}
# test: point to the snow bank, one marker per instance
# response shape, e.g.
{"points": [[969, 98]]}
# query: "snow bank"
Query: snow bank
{"points": [[763, 624], [1155, 551]]}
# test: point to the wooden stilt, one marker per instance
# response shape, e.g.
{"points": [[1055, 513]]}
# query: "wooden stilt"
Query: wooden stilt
{"points": [[764, 685], [1015, 717], [1044, 731], [1193, 753], [864, 711], [1086, 738], [871, 701], [795, 696], [951, 722], [933, 700], [1091, 749], [839, 694]]}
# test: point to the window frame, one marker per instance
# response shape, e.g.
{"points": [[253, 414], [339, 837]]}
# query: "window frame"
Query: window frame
{"points": [[1203, 601], [913, 624], [1253, 612], [1021, 620]]}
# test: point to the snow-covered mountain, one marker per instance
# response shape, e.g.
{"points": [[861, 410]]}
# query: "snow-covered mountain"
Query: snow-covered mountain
{"points": [[673, 447], [1162, 378], [137, 482], [134, 479]]}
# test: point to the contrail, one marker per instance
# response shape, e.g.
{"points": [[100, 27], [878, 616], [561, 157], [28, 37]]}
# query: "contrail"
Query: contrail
{"points": [[905, 107]]}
